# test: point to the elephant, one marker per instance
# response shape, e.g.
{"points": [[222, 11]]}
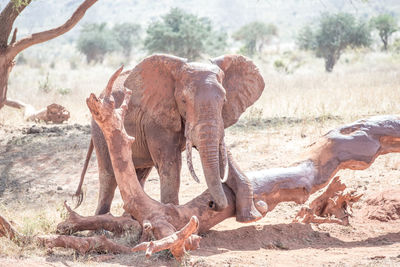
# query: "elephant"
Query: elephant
{"points": [[177, 105]]}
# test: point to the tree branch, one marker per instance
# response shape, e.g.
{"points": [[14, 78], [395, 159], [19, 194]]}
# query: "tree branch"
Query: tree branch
{"points": [[117, 225], [44, 36]]}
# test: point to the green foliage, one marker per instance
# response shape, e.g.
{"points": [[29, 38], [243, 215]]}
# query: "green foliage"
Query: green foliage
{"points": [[127, 35], [396, 46], [306, 39], [64, 91], [288, 63], [19, 3], [45, 86], [334, 34], [254, 36], [386, 25], [185, 35], [95, 41]]}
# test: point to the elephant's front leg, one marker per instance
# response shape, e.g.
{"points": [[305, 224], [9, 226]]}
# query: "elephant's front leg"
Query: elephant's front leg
{"points": [[239, 183], [165, 149]]}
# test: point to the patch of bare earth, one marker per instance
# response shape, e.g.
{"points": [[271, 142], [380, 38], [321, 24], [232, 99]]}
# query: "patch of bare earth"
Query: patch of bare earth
{"points": [[40, 168]]}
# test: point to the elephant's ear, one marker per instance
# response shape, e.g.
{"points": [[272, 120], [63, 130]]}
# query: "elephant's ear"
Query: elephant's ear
{"points": [[152, 83], [243, 84]]}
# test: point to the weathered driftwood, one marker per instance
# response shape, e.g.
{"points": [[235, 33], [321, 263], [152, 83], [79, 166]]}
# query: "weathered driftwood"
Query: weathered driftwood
{"points": [[334, 205], [161, 218], [354, 146], [53, 113], [117, 225], [178, 242]]}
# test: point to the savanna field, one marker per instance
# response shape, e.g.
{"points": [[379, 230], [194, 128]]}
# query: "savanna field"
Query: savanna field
{"points": [[40, 168]]}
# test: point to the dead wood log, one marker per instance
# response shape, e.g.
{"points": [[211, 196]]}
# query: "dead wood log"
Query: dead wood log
{"points": [[117, 225], [82, 245], [334, 205], [178, 242], [353, 146], [8, 231], [163, 218], [53, 113]]}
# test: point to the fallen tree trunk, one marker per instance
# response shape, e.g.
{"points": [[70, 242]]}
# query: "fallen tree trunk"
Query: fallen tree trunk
{"points": [[117, 225], [353, 146], [53, 113]]}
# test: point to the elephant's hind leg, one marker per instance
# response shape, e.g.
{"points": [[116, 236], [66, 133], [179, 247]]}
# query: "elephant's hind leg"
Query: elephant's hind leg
{"points": [[106, 192], [107, 182], [142, 174]]}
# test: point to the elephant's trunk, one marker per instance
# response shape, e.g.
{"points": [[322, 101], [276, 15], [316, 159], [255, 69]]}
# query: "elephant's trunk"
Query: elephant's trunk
{"points": [[209, 154], [224, 155]]}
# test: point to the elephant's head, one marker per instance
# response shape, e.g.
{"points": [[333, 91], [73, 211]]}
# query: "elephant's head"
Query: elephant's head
{"points": [[200, 100]]}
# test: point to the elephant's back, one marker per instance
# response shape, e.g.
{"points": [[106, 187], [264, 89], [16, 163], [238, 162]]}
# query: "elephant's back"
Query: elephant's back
{"points": [[118, 88]]}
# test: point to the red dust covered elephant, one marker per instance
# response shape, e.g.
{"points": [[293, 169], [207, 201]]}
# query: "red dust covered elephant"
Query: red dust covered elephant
{"points": [[176, 105]]}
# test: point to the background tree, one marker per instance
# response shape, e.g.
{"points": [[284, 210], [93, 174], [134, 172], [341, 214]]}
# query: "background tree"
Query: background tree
{"points": [[334, 34], [95, 40], [127, 35], [306, 39], [254, 35], [386, 25], [182, 34]]}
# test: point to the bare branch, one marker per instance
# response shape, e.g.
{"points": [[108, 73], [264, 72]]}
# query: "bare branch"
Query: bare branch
{"points": [[53, 33], [117, 225]]}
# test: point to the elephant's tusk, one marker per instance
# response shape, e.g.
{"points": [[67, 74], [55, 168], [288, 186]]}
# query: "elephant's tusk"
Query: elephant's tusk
{"points": [[224, 155], [189, 146]]}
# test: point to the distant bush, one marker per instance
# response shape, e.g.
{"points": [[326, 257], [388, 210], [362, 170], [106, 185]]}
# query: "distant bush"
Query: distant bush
{"points": [[95, 40], [185, 35], [127, 35], [306, 39], [254, 36], [386, 25], [288, 63], [396, 45], [333, 35], [45, 86], [64, 91]]}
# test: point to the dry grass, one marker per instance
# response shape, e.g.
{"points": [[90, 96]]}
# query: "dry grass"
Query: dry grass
{"points": [[368, 84], [293, 111], [363, 83]]}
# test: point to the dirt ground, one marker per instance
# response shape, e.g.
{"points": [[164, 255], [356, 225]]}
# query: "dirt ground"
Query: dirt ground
{"points": [[40, 168]]}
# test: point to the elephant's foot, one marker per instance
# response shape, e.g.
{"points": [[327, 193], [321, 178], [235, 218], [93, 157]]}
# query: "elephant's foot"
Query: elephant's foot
{"points": [[247, 211]]}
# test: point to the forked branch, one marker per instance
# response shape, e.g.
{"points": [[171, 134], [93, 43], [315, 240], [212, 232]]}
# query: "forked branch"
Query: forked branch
{"points": [[44, 36]]}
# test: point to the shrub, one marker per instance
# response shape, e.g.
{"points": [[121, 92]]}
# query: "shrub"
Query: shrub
{"points": [[95, 40], [254, 36], [386, 25], [127, 35], [334, 34], [184, 35]]}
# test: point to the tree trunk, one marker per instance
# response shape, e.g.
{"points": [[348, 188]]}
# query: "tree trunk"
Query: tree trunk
{"points": [[5, 69], [330, 62], [9, 51]]}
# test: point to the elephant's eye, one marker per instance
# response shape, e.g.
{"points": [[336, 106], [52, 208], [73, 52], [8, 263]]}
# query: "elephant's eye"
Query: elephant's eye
{"points": [[183, 101]]}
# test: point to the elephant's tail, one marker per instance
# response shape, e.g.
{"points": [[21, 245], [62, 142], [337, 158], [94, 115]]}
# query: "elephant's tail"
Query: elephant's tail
{"points": [[79, 194]]}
